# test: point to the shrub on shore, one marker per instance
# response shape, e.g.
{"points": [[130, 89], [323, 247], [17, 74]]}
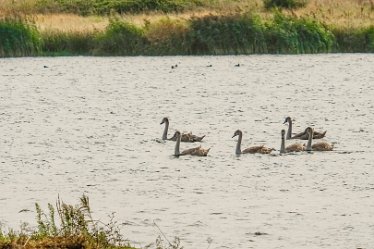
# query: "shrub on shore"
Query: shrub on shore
{"points": [[121, 38], [18, 37]]}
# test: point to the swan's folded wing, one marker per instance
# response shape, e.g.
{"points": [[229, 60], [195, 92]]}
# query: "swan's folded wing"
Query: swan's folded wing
{"points": [[253, 149], [322, 146], [190, 151], [200, 152], [187, 137]]}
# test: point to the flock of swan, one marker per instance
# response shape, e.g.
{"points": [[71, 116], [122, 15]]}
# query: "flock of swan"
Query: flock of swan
{"points": [[308, 134]]}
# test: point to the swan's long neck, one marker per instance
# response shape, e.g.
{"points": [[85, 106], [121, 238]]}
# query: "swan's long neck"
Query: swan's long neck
{"points": [[238, 145], [165, 134], [283, 145], [177, 144], [289, 131], [309, 144]]}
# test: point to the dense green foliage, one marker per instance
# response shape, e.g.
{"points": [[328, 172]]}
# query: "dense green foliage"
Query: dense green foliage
{"points": [[292, 35], [236, 34], [85, 7], [355, 40], [288, 4], [247, 34], [18, 38]]}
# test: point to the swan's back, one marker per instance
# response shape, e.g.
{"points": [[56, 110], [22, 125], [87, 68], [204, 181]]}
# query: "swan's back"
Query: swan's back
{"points": [[322, 146], [257, 149], [297, 147]]}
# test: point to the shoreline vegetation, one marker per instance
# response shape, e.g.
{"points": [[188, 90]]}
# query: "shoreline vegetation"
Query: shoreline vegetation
{"points": [[69, 226], [180, 27]]}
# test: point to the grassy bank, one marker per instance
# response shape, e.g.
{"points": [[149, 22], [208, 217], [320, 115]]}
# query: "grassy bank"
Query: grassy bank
{"points": [[72, 227], [217, 27]]}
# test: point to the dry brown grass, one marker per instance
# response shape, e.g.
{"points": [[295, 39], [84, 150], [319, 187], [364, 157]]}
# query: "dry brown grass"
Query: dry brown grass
{"points": [[341, 13], [70, 22]]}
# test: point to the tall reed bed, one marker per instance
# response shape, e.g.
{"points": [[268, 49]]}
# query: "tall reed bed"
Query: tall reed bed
{"points": [[234, 34], [68, 43], [247, 34], [354, 40], [18, 37]]}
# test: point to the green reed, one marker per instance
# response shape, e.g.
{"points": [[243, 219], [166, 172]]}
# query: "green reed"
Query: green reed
{"points": [[18, 37]]}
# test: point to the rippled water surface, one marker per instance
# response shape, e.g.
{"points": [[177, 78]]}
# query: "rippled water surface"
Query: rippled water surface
{"points": [[92, 125]]}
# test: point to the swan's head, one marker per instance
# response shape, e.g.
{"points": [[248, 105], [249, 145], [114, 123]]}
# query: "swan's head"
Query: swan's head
{"points": [[309, 130], [283, 132], [237, 133], [177, 134], [164, 120], [287, 120]]}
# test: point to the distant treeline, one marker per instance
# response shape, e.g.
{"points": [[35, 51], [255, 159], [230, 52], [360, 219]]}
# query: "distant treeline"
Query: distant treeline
{"points": [[208, 35]]}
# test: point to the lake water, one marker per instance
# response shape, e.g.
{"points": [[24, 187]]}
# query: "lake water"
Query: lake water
{"points": [[74, 125]]}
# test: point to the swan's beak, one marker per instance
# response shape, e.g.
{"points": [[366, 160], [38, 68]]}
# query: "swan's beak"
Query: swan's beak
{"points": [[234, 135], [285, 121], [162, 122]]}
